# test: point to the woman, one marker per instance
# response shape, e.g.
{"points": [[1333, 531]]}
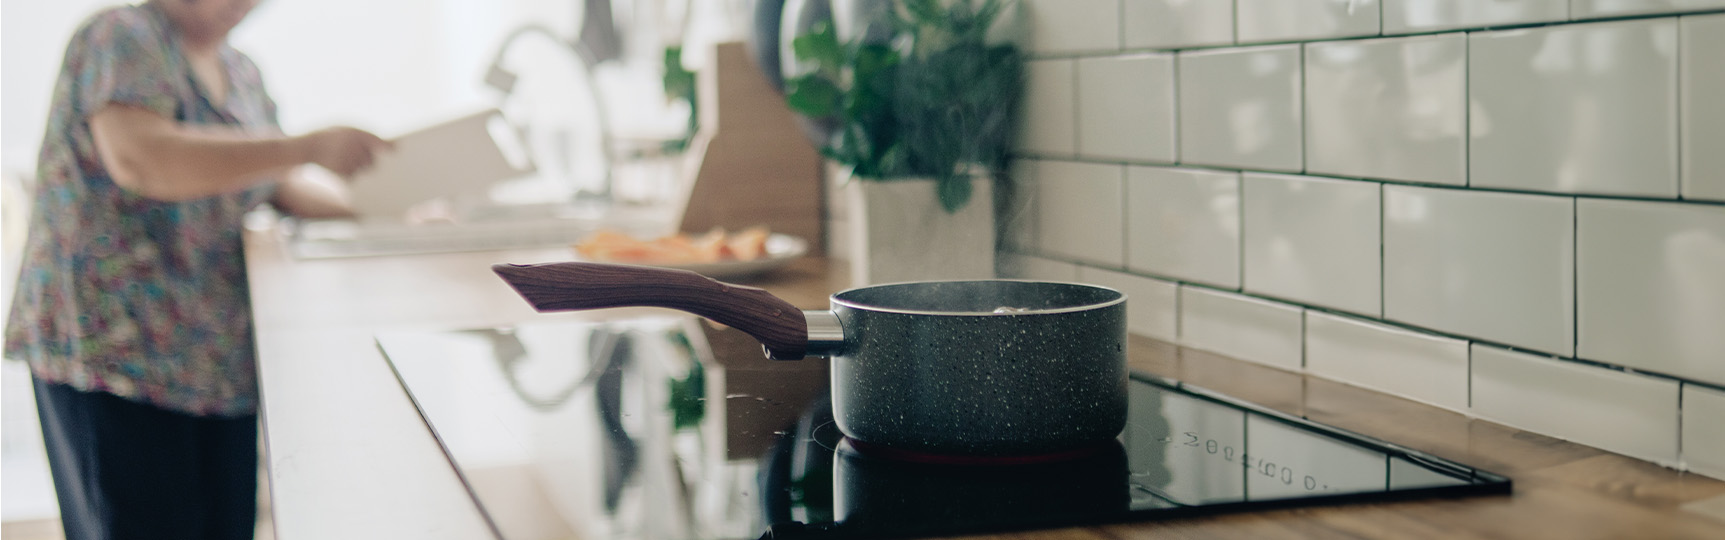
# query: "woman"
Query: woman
{"points": [[131, 305]]}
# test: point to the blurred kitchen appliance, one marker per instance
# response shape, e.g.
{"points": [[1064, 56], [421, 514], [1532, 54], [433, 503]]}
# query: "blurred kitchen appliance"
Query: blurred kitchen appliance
{"points": [[550, 96], [749, 163]]}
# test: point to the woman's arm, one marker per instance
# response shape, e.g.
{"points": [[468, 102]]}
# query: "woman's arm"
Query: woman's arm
{"points": [[313, 196], [159, 158]]}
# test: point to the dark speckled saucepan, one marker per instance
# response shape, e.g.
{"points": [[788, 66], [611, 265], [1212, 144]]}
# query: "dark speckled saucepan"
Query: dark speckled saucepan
{"points": [[994, 368]]}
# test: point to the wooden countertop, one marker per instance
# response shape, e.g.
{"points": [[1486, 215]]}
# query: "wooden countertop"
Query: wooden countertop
{"points": [[349, 456]]}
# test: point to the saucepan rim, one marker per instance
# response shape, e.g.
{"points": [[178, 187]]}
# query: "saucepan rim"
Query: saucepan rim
{"points": [[838, 299]]}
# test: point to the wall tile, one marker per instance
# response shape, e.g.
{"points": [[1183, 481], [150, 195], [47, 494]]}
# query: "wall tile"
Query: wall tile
{"points": [[1241, 327], [1703, 112], [1152, 305], [1079, 212], [1240, 107], [1418, 366], [1170, 24], [1290, 20], [1630, 414], [1388, 108], [1073, 26], [1586, 108], [1313, 240], [1427, 15], [1021, 266], [1651, 284], [1126, 107], [1496, 266], [1184, 223], [1704, 430], [1050, 108], [1585, 9]]}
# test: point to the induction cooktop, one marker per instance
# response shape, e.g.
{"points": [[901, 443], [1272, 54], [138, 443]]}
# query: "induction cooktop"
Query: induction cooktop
{"points": [[667, 428]]}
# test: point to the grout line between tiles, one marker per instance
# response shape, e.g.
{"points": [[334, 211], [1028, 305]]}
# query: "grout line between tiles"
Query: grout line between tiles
{"points": [[1175, 78], [1240, 242], [1388, 181], [1234, 26], [1467, 110], [1466, 29], [1469, 346], [1681, 388], [1575, 277], [1677, 105], [1305, 112], [1179, 313], [1125, 209], [1120, 27]]}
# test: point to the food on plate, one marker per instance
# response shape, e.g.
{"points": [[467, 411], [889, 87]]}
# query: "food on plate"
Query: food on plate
{"points": [[716, 245]]}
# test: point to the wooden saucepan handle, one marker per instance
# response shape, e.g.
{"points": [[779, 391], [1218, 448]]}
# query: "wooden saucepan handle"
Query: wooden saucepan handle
{"points": [[569, 286]]}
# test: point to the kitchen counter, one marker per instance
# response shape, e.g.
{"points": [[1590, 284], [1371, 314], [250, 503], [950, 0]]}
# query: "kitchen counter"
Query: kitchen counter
{"points": [[350, 457]]}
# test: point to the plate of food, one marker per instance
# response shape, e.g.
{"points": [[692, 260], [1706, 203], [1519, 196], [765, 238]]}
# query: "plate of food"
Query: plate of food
{"points": [[718, 254]]}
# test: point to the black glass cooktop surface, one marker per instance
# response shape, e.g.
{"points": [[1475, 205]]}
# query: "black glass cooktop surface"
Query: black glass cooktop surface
{"points": [[670, 429]]}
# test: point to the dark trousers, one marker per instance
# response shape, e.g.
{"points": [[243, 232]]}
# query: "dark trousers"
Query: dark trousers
{"points": [[124, 470]]}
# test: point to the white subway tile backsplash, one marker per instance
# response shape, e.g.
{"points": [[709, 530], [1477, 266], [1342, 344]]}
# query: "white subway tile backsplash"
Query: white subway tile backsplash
{"points": [[1704, 430], [1171, 24], [1702, 117], [1152, 305], [1402, 16], [1586, 9], [1496, 266], [1079, 212], [1317, 121], [1241, 108], [1584, 108], [1292, 20], [1630, 414], [1388, 108], [1651, 284], [1422, 367], [1020, 266], [1313, 240], [1126, 107], [1050, 108], [1184, 223], [1241, 327], [1073, 26]]}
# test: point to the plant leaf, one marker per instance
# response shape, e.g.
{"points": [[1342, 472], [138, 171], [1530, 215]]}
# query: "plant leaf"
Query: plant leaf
{"points": [[812, 95], [821, 46], [954, 191]]}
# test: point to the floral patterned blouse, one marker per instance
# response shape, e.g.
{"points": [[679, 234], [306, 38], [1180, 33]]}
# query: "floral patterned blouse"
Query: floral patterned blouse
{"points": [[118, 293]]}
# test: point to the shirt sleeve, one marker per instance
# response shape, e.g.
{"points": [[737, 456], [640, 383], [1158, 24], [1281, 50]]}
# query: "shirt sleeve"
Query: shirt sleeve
{"points": [[124, 58], [247, 78]]}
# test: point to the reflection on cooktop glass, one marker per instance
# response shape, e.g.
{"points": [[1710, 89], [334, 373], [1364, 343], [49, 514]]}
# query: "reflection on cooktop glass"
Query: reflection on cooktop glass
{"points": [[667, 428]]}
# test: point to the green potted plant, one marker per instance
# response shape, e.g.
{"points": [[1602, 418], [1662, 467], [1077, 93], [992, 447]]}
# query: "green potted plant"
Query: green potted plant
{"points": [[922, 92]]}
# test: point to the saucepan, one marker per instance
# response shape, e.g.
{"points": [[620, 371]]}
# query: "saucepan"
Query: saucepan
{"points": [[974, 369]]}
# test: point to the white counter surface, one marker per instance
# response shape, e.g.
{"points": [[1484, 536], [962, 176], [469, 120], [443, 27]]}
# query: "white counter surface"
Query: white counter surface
{"points": [[348, 455]]}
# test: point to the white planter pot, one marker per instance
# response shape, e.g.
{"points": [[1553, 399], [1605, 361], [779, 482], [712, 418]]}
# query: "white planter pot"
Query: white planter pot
{"points": [[899, 232]]}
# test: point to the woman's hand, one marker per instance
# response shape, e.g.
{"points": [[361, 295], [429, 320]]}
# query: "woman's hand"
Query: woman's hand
{"points": [[343, 150]]}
